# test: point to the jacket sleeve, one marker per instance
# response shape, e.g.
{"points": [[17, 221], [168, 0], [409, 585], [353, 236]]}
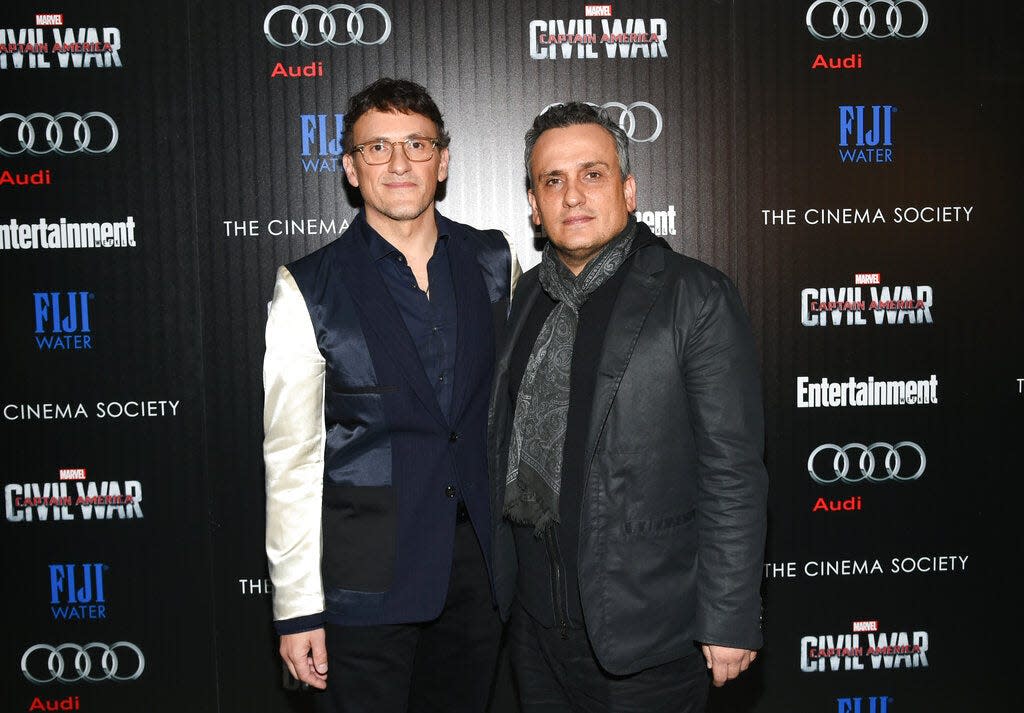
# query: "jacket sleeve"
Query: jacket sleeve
{"points": [[723, 384], [517, 270], [293, 456]]}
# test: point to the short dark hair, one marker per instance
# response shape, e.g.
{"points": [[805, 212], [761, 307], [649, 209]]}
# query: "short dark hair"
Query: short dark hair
{"points": [[560, 116], [387, 95]]}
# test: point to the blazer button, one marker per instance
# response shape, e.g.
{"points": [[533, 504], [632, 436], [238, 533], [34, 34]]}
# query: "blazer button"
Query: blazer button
{"points": [[450, 491], [452, 437]]}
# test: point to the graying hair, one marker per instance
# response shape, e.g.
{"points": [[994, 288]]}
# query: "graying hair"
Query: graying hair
{"points": [[561, 116]]}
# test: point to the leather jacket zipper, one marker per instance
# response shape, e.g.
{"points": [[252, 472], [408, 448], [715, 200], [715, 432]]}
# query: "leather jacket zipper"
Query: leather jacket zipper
{"points": [[558, 596]]}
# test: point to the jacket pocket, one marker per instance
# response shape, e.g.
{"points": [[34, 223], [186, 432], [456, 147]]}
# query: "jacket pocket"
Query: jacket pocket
{"points": [[359, 537], [664, 524]]}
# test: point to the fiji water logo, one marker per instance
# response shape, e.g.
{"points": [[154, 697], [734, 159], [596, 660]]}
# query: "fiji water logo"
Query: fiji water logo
{"points": [[864, 704], [865, 133], [76, 591], [62, 320], [322, 146]]}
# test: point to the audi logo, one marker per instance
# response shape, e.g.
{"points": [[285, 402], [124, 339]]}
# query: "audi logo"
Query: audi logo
{"points": [[866, 462], [93, 662], [627, 119], [66, 133], [867, 18], [327, 25]]}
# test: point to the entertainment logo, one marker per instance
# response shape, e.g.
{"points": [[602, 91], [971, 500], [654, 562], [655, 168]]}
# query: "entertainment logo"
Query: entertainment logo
{"points": [[60, 234], [661, 222], [62, 320]]}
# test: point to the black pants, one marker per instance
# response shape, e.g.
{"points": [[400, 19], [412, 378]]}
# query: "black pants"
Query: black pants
{"points": [[442, 666], [556, 675]]}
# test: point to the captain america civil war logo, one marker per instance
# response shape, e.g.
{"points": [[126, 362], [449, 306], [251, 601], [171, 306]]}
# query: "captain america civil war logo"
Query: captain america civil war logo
{"points": [[866, 302], [870, 646], [52, 45], [80, 499], [598, 35]]}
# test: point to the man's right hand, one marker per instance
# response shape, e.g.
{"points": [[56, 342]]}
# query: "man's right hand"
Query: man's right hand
{"points": [[305, 653]]}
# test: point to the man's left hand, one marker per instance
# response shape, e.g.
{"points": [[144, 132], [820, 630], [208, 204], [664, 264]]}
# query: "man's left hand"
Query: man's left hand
{"points": [[726, 663]]}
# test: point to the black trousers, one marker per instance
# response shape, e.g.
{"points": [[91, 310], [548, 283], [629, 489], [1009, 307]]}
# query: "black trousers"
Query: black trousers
{"points": [[556, 675], [442, 666]]}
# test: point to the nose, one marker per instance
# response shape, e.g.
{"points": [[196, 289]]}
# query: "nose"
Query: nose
{"points": [[573, 196], [399, 162]]}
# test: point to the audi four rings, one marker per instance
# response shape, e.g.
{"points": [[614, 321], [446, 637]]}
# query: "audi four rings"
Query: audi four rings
{"points": [[327, 25], [865, 462], [867, 18], [50, 136], [51, 663], [628, 119]]}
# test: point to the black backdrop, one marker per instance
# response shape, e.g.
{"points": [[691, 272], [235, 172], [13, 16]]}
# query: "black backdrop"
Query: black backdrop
{"points": [[135, 369]]}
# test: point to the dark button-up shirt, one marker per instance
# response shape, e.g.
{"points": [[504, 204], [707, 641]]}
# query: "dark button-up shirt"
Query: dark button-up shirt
{"points": [[431, 321]]}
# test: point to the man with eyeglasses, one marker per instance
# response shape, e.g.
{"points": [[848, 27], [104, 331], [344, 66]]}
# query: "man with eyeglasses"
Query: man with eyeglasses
{"points": [[379, 356]]}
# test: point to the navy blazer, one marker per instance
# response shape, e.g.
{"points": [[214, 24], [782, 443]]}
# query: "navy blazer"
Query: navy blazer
{"points": [[392, 460]]}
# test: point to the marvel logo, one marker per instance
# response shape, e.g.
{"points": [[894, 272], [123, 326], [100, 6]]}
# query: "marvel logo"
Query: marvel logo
{"points": [[867, 278], [50, 19], [871, 625], [72, 473], [597, 10]]}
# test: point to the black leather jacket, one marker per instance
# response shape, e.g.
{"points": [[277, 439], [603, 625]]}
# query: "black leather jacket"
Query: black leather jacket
{"points": [[673, 518]]}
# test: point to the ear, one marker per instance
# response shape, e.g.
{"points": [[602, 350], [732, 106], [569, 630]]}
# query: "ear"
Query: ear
{"points": [[629, 192], [535, 213], [442, 166], [350, 170]]}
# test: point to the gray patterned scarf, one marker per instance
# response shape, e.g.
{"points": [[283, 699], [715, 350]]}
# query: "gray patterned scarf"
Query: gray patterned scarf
{"points": [[534, 476]]}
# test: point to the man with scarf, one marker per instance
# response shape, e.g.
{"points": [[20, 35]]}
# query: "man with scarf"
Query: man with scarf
{"points": [[625, 445]]}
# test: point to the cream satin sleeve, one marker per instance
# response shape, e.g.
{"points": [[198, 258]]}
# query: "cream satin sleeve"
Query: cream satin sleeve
{"points": [[293, 452], [517, 270]]}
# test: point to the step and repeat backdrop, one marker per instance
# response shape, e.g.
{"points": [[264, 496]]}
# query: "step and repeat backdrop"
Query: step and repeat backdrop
{"points": [[853, 165]]}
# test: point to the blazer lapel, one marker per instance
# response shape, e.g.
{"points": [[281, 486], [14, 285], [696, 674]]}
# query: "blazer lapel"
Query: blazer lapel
{"points": [[473, 320], [372, 298], [526, 294], [636, 296]]}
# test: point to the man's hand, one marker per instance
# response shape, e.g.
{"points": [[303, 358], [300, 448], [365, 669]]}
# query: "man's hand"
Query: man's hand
{"points": [[305, 653], [726, 663]]}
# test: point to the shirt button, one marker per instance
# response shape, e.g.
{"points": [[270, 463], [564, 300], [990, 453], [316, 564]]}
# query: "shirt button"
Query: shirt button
{"points": [[452, 437], [441, 378], [450, 491]]}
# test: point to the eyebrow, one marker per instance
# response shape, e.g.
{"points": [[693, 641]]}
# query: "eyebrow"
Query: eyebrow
{"points": [[583, 167], [416, 135]]}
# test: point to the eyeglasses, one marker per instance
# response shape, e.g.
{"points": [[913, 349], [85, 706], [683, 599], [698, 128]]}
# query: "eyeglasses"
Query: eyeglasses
{"points": [[416, 149]]}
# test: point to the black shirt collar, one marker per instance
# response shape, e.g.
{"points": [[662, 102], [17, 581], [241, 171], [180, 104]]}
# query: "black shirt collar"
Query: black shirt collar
{"points": [[380, 248]]}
